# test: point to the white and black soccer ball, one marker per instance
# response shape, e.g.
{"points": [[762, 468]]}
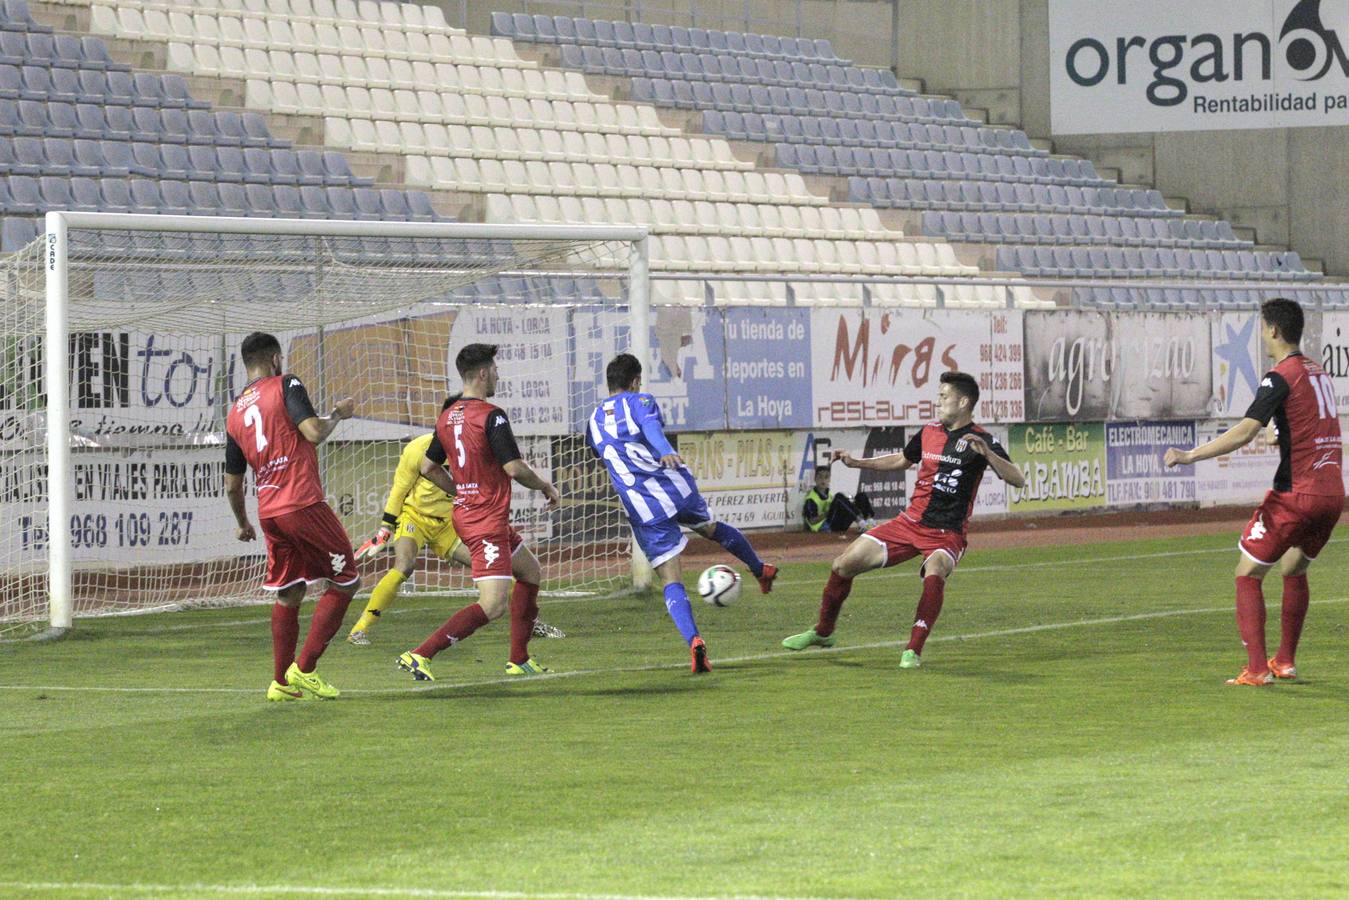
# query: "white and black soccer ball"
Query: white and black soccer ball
{"points": [[719, 585]]}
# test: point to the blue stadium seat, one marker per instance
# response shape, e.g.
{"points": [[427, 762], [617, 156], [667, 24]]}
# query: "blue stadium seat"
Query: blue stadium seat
{"points": [[604, 34], [233, 200], [585, 31], [565, 29], [314, 202], [204, 197], [420, 208], [288, 203], [544, 32], [260, 200], [17, 233], [367, 204], [341, 201], [503, 25]]}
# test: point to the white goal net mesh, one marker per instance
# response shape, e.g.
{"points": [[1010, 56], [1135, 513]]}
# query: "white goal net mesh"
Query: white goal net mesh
{"points": [[156, 319]]}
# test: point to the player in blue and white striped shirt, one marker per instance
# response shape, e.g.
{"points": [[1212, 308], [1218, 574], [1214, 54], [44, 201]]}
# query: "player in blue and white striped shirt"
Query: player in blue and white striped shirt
{"points": [[659, 493]]}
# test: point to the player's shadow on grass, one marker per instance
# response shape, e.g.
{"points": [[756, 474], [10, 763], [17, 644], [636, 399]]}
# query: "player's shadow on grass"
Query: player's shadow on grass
{"points": [[552, 688]]}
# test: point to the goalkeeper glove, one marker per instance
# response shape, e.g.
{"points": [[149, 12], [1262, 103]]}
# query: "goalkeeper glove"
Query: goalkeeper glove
{"points": [[377, 544]]}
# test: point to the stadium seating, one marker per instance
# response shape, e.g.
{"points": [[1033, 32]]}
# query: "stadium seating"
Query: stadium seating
{"points": [[468, 113], [79, 131]]}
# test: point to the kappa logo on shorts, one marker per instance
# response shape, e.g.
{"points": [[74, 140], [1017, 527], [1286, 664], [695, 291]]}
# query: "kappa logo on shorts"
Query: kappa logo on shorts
{"points": [[1257, 529], [339, 561], [490, 552]]}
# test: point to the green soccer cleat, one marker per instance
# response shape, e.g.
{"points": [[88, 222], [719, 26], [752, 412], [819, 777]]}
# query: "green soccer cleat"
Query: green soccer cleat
{"points": [[910, 660], [528, 667], [416, 665], [807, 639], [280, 693], [314, 687]]}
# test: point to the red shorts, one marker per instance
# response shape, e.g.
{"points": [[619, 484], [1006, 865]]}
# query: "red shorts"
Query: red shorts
{"points": [[1284, 520], [307, 545], [491, 546], [903, 539]]}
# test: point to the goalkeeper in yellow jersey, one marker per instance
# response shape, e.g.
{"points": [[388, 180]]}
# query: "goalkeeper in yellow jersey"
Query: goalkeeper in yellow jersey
{"points": [[417, 513]]}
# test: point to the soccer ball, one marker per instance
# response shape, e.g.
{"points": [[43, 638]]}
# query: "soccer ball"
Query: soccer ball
{"points": [[719, 585]]}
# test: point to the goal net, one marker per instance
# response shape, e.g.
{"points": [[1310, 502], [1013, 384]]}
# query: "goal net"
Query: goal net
{"points": [[113, 488]]}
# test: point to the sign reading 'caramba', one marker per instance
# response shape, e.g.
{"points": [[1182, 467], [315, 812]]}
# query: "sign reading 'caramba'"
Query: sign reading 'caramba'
{"points": [[1157, 65]]}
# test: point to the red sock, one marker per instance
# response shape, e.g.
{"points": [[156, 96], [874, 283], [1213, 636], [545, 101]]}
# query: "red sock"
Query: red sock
{"points": [[524, 610], [332, 606], [1296, 597], [456, 628], [929, 607], [835, 592], [1251, 621], [285, 634]]}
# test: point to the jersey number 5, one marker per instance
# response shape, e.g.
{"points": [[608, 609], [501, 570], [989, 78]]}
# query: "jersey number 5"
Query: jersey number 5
{"points": [[253, 416], [459, 443], [1324, 390]]}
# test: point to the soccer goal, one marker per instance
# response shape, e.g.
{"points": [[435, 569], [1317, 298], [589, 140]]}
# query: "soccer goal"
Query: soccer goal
{"points": [[119, 356]]}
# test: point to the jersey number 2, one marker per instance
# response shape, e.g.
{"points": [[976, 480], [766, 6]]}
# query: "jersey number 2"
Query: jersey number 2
{"points": [[253, 416], [1324, 390]]}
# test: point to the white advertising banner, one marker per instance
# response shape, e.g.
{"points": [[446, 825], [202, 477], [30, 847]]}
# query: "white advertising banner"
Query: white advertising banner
{"points": [[531, 358], [1240, 477], [1093, 366], [1334, 355], [874, 367], [748, 478], [147, 506], [1156, 65]]}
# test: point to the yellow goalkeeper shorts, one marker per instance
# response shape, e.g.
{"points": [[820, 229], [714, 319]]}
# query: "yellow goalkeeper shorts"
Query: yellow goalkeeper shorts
{"points": [[439, 533]]}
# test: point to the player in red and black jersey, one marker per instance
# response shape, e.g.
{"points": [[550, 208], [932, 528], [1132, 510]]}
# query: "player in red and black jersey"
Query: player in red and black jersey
{"points": [[474, 438], [272, 427], [1295, 519], [951, 454]]}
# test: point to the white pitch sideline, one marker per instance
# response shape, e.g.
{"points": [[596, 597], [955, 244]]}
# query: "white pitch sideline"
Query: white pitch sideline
{"points": [[757, 657]]}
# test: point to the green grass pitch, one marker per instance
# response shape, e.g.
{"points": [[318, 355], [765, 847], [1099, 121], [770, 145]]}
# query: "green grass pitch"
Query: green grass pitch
{"points": [[1069, 734]]}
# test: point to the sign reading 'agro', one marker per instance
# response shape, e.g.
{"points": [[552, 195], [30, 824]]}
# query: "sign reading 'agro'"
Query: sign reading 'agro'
{"points": [[1156, 65]]}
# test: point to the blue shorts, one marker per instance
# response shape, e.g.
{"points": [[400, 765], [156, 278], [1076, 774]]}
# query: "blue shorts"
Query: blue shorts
{"points": [[662, 541]]}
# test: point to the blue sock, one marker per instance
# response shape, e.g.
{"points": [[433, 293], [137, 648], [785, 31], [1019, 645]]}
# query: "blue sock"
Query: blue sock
{"points": [[737, 546], [677, 602]]}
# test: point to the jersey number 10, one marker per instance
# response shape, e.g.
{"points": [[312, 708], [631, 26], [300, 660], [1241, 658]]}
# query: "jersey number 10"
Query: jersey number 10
{"points": [[1324, 389]]}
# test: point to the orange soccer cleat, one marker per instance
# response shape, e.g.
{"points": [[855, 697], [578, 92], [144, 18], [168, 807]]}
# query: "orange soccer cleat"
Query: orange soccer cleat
{"points": [[770, 572], [698, 653], [1255, 679], [1282, 670]]}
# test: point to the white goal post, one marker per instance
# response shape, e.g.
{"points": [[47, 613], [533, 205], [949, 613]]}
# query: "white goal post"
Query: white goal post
{"points": [[120, 344]]}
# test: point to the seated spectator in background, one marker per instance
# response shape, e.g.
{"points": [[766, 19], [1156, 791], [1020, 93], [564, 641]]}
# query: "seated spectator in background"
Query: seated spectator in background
{"points": [[824, 511]]}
